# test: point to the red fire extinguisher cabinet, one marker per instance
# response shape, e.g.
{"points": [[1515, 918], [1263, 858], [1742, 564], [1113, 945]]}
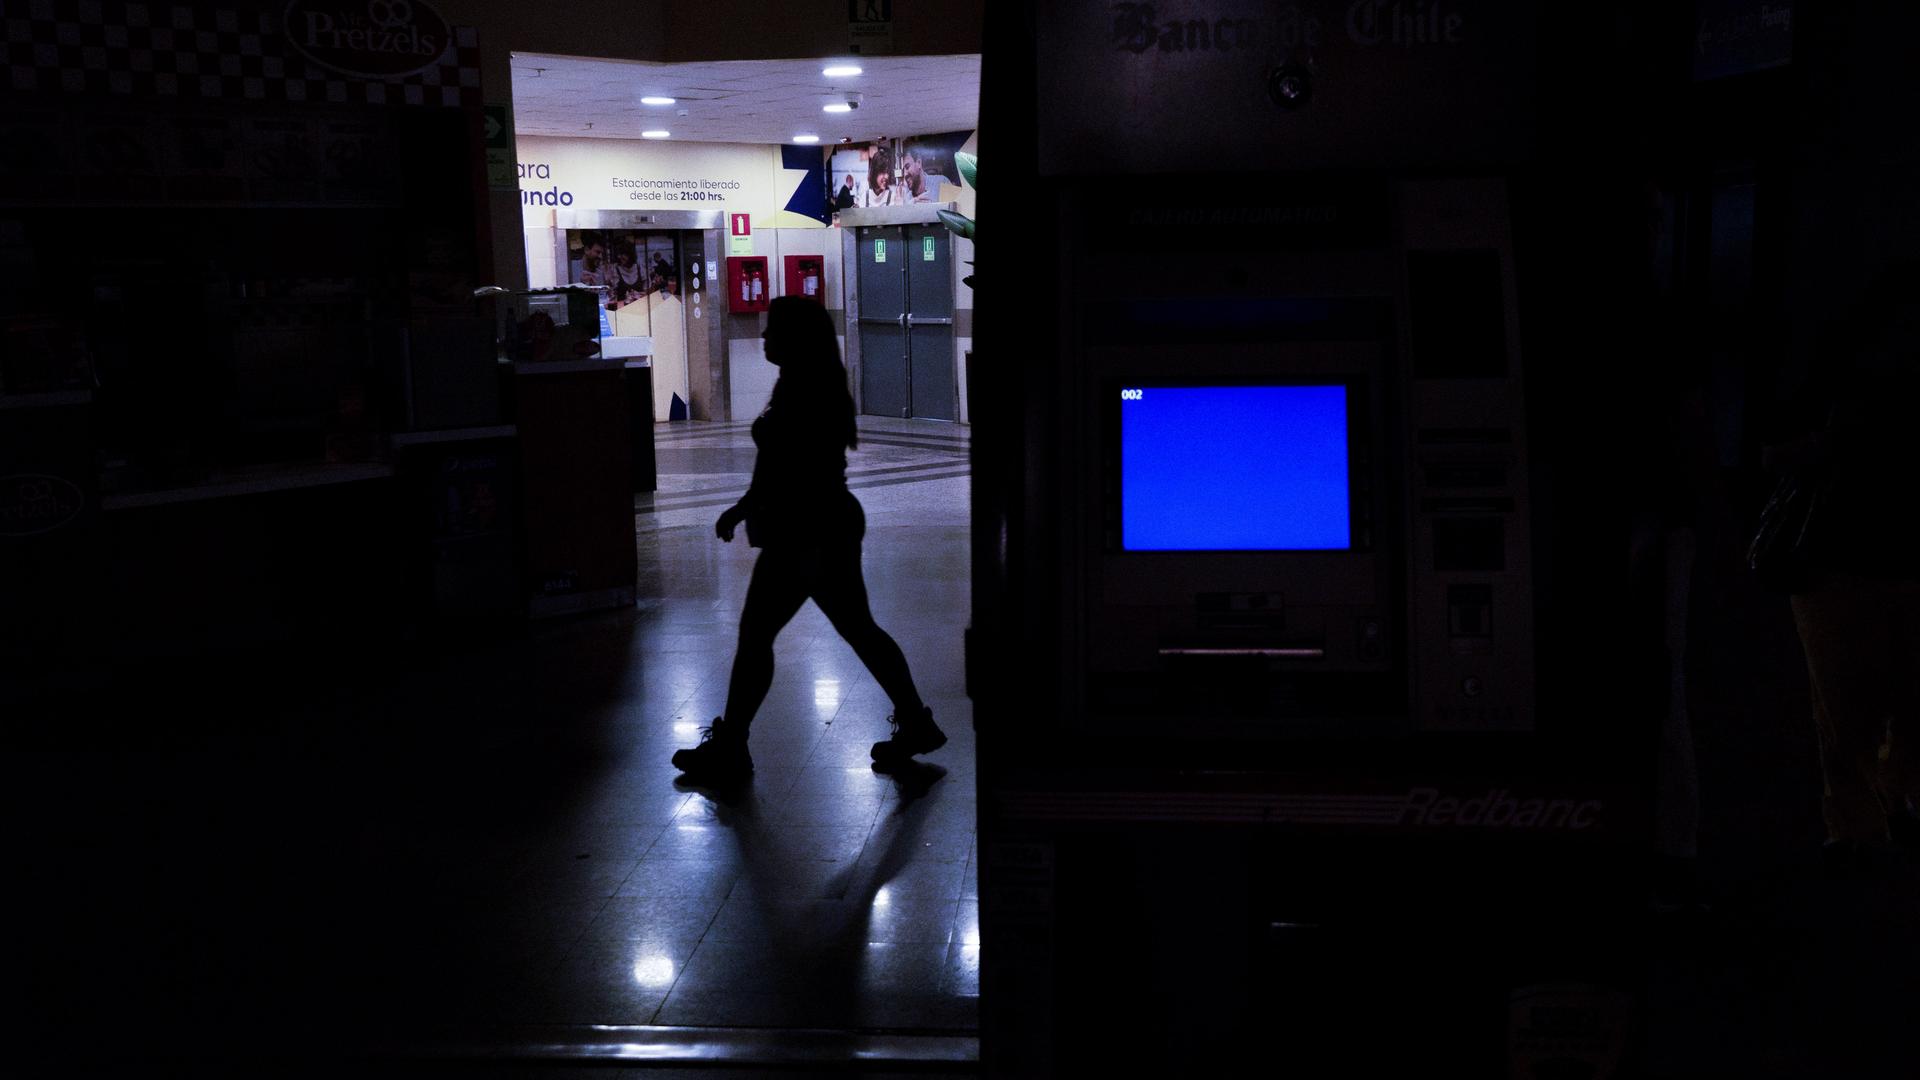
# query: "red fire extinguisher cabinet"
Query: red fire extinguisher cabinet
{"points": [[749, 286], [807, 276]]}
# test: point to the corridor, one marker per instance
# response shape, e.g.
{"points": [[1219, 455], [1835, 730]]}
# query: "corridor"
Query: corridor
{"points": [[485, 845]]}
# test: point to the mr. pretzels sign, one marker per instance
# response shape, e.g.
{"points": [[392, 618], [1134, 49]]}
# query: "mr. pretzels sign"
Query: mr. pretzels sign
{"points": [[374, 39]]}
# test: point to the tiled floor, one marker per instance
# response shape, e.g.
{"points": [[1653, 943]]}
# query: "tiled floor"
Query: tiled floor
{"points": [[493, 838], [292, 856], [824, 894]]}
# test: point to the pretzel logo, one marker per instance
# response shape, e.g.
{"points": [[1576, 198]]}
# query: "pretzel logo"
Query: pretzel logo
{"points": [[390, 14], [375, 39]]}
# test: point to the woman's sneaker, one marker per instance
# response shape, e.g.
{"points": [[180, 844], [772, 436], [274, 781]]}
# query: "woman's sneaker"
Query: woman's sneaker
{"points": [[917, 734], [721, 755]]}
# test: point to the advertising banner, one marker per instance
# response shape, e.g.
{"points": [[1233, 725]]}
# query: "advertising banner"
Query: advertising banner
{"points": [[626, 174], [896, 172]]}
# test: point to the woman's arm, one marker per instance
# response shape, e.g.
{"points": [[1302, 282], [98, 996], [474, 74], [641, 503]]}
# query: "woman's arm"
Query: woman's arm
{"points": [[733, 515]]}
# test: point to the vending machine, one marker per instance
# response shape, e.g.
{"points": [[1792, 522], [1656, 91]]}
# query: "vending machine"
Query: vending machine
{"points": [[1313, 721]]}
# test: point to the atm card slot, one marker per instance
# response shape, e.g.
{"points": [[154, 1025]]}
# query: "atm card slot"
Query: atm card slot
{"points": [[1262, 612], [1467, 504], [1469, 543], [1466, 476], [1464, 436]]}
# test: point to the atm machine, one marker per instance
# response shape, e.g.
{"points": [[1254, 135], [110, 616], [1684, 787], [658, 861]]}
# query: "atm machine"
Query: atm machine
{"points": [[1315, 711]]}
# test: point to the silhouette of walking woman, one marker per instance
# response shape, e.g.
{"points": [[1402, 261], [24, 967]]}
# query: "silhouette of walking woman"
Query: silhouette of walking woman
{"points": [[808, 528]]}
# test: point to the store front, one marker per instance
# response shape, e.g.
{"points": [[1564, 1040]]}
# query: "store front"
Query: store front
{"points": [[688, 239], [314, 472]]}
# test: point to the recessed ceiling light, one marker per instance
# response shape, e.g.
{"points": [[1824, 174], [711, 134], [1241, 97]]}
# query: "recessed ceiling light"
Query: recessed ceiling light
{"points": [[655, 99], [806, 138], [655, 134], [839, 70], [838, 106]]}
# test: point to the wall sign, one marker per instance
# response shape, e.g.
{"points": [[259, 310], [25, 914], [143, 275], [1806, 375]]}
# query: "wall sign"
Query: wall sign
{"points": [[1735, 36], [869, 27], [213, 52], [32, 503], [501, 173], [879, 251], [375, 39], [926, 249], [641, 176], [740, 240], [1376, 84]]}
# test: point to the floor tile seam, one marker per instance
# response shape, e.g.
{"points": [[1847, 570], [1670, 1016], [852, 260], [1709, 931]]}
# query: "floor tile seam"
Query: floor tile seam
{"points": [[956, 473], [856, 480], [681, 973], [926, 429], [853, 473], [702, 443], [702, 427], [890, 425], [866, 431], [743, 433], [579, 935], [957, 450], [651, 844], [889, 482]]}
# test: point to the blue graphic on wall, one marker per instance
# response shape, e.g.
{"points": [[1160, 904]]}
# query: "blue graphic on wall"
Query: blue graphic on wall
{"points": [[810, 198]]}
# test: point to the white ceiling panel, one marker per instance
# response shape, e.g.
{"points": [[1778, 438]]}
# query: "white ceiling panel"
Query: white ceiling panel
{"points": [[751, 101]]}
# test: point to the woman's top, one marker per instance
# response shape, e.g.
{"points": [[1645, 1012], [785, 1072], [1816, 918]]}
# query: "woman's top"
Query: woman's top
{"points": [[799, 492]]}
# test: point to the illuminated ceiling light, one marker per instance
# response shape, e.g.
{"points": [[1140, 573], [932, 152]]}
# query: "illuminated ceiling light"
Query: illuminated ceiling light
{"points": [[838, 106], [806, 138], [655, 99], [840, 70], [654, 134]]}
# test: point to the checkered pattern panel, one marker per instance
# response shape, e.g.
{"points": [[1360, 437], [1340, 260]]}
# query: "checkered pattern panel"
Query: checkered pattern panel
{"points": [[206, 51]]}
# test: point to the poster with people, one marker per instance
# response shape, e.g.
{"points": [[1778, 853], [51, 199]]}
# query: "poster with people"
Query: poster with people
{"points": [[642, 298], [894, 172], [927, 166], [636, 270], [862, 175]]}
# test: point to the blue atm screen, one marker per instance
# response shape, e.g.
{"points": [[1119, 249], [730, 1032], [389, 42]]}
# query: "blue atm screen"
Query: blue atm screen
{"points": [[1234, 468]]}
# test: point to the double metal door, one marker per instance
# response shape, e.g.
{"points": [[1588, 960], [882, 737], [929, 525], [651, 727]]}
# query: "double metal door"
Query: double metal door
{"points": [[906, 321]]}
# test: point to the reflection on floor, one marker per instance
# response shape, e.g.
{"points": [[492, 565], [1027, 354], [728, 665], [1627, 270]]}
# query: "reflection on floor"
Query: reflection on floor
{"points": [[824, 894], [316, 851], [283, 858]]}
